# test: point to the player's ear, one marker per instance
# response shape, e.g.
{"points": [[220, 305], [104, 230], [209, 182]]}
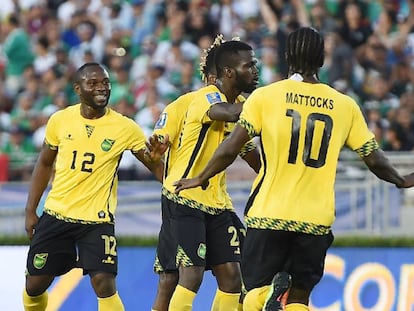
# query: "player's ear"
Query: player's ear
{"points": [[228, 71], [76, 87]]}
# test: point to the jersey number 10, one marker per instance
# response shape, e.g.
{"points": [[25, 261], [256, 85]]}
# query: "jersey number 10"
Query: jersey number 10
{"points": [[310, 130]]}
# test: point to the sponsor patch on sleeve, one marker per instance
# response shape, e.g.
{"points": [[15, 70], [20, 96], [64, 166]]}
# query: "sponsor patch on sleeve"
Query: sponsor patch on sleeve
{"points": [[214, 98], [162, 120]]}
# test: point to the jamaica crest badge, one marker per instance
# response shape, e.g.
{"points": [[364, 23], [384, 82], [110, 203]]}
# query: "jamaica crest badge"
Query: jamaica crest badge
{"points": [[107, 144], [39, 260]]}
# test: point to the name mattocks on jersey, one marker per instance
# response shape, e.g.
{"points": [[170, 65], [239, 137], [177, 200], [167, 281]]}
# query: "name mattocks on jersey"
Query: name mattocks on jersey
{"points": [[306, 100], [162, 120], [214, 98]]}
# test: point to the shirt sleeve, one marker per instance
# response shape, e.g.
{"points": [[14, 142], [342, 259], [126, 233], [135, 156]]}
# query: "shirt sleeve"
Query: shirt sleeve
{"points": [[251, 115], [137, 137], [359, 133], [51, 134]]}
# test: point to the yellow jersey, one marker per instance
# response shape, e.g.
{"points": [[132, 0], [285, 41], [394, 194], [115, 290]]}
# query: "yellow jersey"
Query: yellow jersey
{"points": [[84, 188], [302, 127]]}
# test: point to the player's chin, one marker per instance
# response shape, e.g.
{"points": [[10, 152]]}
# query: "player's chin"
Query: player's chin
{"points": [[251, 87], [101, 104]]}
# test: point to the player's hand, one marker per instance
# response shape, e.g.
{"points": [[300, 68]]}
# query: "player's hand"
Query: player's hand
{"points": [[31, 220], [183, 184], [408, 181], [155, 148]]}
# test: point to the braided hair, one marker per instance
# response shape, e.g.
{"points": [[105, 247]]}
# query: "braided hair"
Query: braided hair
{"points": [[207, 65], [305, 51]]}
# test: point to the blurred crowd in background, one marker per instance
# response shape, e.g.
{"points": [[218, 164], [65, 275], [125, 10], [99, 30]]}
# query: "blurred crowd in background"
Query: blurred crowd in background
{"points": [[152, 50]]}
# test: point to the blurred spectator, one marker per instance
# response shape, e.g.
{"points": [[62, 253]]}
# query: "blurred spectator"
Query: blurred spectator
{"points": [[321, 19], [45, 58], [36, 18], [185, 79], [91, 43], [377, 125], [18, 52], [372, 56], [339, 60], [23, 112], [21, 154], [379, 96], [355, 27], [144, 20], [268, 68], [141, 63], [397, 138], [198, 22], [223, 14], [149, 114], [402, 78]]}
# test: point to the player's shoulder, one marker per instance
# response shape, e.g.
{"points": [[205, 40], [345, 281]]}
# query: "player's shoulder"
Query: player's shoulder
{"points": [[67, 113], [210, 93], [181, 102], [118, 119]]}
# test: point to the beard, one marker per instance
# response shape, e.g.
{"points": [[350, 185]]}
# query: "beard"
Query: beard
{"points": [[243, 85]]}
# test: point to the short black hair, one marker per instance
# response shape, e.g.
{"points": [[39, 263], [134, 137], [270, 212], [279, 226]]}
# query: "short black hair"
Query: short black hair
{"points": [[305, 51], [81, 71], [226, 55]]}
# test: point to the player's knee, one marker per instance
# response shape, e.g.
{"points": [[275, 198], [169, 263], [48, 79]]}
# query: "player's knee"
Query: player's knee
{"points": [[255, 299], [167, 281], [228, 277], [103, 284], [37, 285], [33, 291], [191, 277]]}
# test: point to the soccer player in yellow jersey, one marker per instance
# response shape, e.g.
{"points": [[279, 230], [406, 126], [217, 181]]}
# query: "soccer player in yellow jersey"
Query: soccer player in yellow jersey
{"points": [[197, 225], [303, 124], [84, 144], [171, 122]]}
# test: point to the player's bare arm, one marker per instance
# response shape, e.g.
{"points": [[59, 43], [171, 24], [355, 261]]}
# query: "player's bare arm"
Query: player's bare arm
{"points": [[225, 112], [253, 159], [41, 175], [225, 155], [380, 165]]}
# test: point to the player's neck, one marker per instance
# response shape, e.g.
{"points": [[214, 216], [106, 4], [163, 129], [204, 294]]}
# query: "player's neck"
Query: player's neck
{"points": [[91, 113], [230, 92], [304, 78]]}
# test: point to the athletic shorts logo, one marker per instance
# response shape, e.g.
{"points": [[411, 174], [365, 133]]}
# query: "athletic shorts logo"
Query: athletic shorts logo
{"points": [[107, 144], [201, 252], [39, 260], [109, 260]]}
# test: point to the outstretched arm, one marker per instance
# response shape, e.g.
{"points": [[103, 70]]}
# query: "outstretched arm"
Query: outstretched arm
{"points": [[380, 165], [225, 154], [252, 157], [152, 156]]}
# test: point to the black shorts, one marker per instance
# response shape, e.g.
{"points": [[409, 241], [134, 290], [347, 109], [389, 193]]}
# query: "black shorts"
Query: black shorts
{"points": [[241, 229], [59, 246], [190, 237], [267, 252]]}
